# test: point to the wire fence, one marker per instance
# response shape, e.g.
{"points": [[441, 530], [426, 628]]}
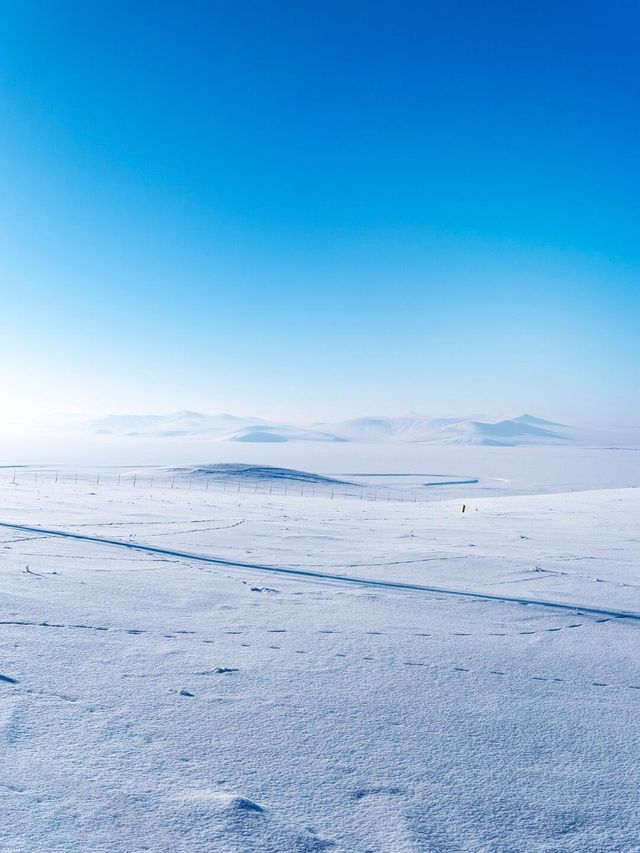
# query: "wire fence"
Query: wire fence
{"points": [[284, 487]]}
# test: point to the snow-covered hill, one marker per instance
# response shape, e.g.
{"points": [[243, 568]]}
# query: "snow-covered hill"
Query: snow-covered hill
{"points": [[254, 474], [509, 432], [278, 433], [184, 423], [521, 430]]}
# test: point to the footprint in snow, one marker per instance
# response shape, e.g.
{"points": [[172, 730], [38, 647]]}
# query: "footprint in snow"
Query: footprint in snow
{"points": [[361, 793]]}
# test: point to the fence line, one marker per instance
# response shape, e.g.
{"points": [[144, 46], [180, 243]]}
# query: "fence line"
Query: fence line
{"points": [[333, 491]]}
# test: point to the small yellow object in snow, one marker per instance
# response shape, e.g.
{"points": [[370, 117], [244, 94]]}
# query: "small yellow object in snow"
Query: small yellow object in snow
{"points": [[464, 506]]}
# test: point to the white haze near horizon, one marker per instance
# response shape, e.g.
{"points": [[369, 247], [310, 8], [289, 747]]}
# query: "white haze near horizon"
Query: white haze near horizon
{"points": [[500, 470]]}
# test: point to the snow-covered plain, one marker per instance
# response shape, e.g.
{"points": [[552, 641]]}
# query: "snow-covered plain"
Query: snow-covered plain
{"points": [[152, 701]]}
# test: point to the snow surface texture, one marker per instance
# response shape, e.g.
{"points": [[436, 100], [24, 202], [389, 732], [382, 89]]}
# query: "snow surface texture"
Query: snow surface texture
{"points": [[151, 701], [511, 432]]}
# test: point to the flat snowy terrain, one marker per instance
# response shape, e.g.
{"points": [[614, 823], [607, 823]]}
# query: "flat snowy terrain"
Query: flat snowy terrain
{"points": [[153, 700]]}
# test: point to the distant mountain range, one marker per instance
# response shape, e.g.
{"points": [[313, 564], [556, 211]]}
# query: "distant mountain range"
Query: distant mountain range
{"points": [[510, 432]]}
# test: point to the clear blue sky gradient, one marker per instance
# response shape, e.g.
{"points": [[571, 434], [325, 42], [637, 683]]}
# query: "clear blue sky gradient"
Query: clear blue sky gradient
{"points": [[313, 210]]}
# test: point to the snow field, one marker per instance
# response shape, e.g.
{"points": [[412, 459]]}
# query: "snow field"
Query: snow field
{"points": [[150, 702]]}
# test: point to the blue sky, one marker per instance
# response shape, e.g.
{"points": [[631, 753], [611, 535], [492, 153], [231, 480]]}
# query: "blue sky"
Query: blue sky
{"points": [[315, 210]]}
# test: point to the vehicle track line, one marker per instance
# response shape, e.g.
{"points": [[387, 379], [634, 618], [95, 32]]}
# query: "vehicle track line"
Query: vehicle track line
{"points": [[324, 576]]}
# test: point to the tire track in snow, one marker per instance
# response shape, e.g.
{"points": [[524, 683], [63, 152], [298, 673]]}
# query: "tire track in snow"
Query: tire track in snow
{"points": [[308, 574]]}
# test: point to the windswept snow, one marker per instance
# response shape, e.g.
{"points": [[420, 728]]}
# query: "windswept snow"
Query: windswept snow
{"points": [[194, 670]]}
